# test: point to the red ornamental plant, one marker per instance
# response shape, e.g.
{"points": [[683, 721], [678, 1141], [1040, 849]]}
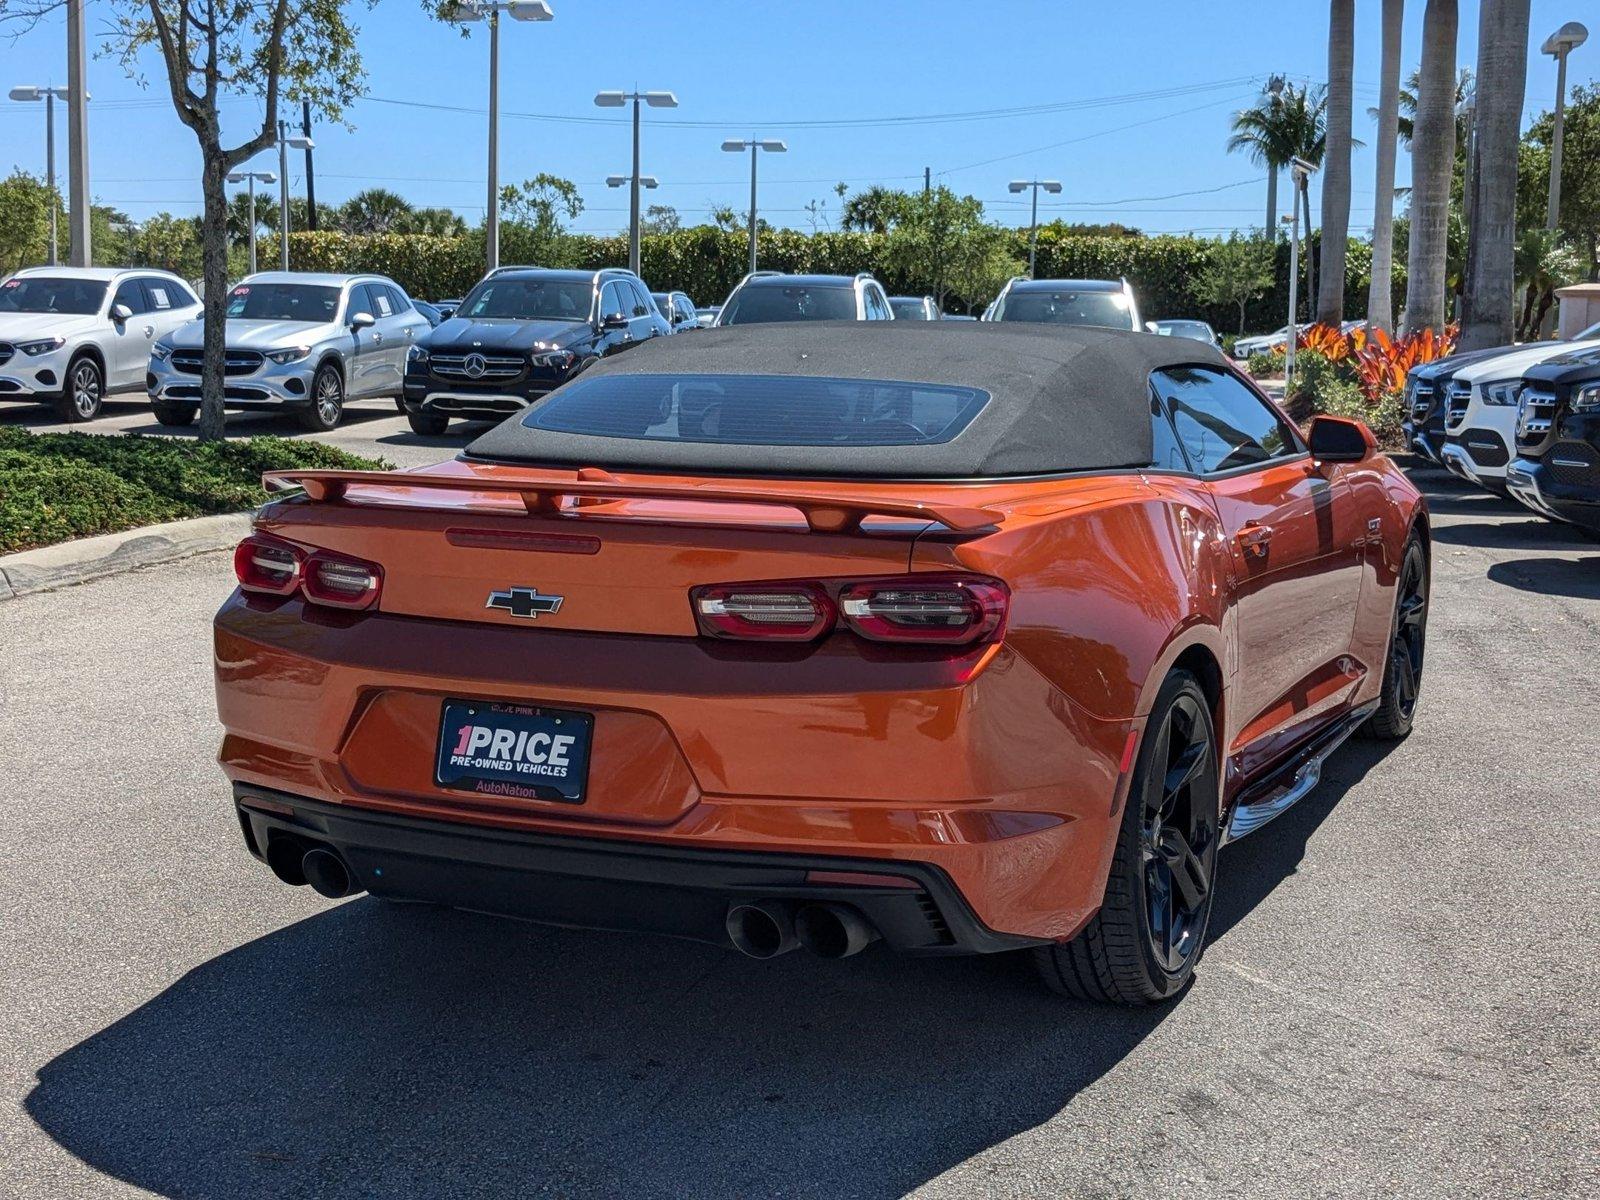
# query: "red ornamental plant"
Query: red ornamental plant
{"points": [[1381, 364]]}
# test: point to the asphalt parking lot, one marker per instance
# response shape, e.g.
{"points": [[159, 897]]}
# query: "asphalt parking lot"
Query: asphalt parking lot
{"points": [[1398, 999]]}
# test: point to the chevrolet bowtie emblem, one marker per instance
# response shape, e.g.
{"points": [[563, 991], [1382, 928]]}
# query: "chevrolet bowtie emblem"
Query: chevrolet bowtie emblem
{"points": [[524, 602]]}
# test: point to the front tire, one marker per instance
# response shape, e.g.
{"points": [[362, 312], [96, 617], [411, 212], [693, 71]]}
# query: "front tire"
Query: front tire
{"points": [[175, 415], [1402, 668], [84, 390], [427, 424], [1143, 944], [327, 400]]}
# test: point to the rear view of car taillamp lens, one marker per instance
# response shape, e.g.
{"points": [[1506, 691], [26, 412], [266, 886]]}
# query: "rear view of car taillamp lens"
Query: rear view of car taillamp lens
{"points": [[946, 609], [267, 566], [341, 582], [782, 611]]}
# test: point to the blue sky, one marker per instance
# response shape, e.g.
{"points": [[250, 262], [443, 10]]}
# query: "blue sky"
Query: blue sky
{"points": [[1136, 99]]}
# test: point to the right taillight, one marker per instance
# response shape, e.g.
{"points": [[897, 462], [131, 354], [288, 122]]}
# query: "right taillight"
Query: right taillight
{"points": [[270, 566], [955, 610], [931, 609]]}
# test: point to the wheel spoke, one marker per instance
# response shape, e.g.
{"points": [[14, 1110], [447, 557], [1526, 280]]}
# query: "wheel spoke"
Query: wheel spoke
{"points": [[1182, 772], [1188, 872]]}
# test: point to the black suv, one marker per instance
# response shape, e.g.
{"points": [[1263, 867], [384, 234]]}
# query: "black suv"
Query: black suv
{"points": [[1426, 399], [1557, 469], [519, 334], [766, 296]]}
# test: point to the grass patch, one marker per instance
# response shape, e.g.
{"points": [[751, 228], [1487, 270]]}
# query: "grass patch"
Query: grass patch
{"points": [[59, 486]]}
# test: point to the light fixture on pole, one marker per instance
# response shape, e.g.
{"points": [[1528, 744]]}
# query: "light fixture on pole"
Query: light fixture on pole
{"points": [[1559, 44], [49, 95], [1300, 171], [1274, 89], [490, 10], [755, 146], [618, 100], [1021, 185], [286, 143], [240, 177]]}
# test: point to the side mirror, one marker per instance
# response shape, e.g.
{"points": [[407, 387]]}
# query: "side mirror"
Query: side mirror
{"points": [[616, 320], [362, 320], [1339, 439], [120, 313], [1151, 327]]}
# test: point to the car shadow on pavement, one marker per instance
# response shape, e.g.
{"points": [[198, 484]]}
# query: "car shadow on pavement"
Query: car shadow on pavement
{"points": [[1578, 579], [387, 1050]]}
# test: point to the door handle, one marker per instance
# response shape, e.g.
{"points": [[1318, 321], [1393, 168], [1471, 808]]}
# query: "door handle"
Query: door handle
{"points": [[377, 339], [149, 331], [1255, 539]]}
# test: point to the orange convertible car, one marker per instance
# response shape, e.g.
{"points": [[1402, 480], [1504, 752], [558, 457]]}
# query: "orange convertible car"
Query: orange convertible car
{"points": [[967, 638]]}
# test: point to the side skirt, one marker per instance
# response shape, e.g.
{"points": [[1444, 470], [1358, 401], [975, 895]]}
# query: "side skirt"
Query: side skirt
{"points": [[1287, 784]]}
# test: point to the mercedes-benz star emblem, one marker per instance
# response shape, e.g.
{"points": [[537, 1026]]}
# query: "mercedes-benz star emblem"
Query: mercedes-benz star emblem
{"points": [[475, 366], [524, 602]]}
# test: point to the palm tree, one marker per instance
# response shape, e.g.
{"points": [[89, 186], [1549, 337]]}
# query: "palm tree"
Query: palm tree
{"points": [[1336, 164], [1262, 131], [1543, 263], [1293, 127], [1380, 302], [1486, 304], [1432, 162], [376, 210]]}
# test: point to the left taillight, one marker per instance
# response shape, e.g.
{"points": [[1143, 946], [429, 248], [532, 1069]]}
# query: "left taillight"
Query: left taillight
{"points": [[271, 566], [778, 611]]}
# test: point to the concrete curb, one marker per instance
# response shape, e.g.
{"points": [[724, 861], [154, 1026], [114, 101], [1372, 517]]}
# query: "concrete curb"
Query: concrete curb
{"points": [[51, 567]]}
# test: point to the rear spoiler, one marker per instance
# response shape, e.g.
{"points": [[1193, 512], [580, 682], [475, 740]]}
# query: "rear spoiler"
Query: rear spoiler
{"points": [[823, 513]]}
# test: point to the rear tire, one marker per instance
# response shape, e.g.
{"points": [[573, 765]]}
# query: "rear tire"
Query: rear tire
{"points": [[427, 424], [1143, 944], [175, 415], [327, 400], [1408, 634], [83, 391]]}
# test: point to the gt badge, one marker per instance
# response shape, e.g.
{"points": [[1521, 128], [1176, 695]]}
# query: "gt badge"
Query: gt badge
{"points": [[524, 602]]}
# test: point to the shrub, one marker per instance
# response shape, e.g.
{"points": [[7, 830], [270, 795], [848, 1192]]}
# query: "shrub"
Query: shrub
{"points": [[1264, 366], [1335, 396], [65, 485]]}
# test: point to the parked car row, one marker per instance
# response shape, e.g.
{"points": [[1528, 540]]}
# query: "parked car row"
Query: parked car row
{"points": [[1518, 421]]}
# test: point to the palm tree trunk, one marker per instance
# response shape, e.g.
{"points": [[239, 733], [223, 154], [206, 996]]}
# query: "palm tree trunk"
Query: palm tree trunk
{"points": [[1380, 295], [1336, 161], [1433, 152], [1486, 305], [1272, 202]]}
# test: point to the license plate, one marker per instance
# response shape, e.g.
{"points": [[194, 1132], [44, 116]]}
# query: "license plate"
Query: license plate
{"points": [[514, 751]]}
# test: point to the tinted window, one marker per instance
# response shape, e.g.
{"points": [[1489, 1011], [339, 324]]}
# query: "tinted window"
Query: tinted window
{"points": [[160, 295], [759, 410], [643, 306], [41, 294], [906, 309], [1067, 307], [1221, 423], [765, 302], [361, 301], [1197, 330], [612, 301], [284, 302], [397, 298], [529, 300], [131, 293], [1166, 454], [382, 305]]}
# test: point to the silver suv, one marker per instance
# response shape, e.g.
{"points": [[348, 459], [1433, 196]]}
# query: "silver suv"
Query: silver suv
{"points": [[1104, 302], [295, 341], [765, 296], [71, 336]]}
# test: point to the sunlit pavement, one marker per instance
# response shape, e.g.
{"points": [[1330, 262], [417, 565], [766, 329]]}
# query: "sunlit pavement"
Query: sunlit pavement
{"points": [[1397, 1001]]}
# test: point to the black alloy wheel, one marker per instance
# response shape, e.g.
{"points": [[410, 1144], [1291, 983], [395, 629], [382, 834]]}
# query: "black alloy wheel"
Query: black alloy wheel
{"points": [[1143, 944], [1402, 671]]}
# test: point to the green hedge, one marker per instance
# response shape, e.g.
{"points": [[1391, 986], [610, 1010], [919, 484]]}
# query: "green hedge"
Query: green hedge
{"points": [[58, 486], [706, 262]]}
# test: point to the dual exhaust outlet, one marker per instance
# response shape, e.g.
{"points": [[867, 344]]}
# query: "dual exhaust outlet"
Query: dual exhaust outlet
{"points": [[768, 928], [298, 863]]}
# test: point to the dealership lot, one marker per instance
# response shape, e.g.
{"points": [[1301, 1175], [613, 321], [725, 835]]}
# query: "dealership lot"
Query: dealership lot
{"points": [[1397, 999]]}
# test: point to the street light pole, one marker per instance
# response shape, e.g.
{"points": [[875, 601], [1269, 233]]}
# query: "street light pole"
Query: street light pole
{"points": [[1022, 185], [285, 144], [252, 176], [755, 146], [49, 94], [1299, 171], [1559, 44], [78, 134], [490, 10], [638, 98], [633, 182]]}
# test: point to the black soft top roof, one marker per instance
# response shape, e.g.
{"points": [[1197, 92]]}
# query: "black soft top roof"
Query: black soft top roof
{"points": [[1063, 398]]}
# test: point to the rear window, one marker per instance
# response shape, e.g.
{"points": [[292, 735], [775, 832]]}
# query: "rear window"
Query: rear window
{"points": [[757, 303], [759, 410], [1067, 307]]}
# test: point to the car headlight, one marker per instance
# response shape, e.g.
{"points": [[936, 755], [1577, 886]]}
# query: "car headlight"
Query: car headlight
{"points": [[161, 351], [42, 346], [418, 355], [292, 354], [559, 359], [1586, 398], [1502, 395]]}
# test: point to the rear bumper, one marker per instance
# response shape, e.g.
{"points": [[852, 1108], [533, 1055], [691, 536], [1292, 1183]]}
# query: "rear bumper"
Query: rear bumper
{"points": [[591, 883], [995, 785]]}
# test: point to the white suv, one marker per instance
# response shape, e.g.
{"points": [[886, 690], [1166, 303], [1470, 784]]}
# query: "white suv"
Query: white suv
{"points": [[1480, 413], [71, 336]]}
